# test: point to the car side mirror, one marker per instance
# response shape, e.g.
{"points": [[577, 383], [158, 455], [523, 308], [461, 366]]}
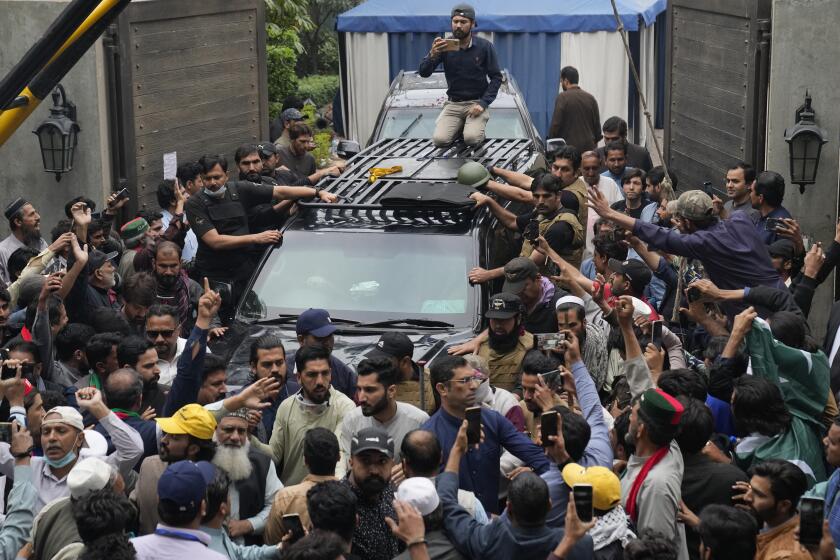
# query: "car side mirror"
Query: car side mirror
{"points": [[347, 149]]}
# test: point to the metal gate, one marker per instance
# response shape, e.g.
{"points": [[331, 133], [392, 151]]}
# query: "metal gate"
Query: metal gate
{"points": [[716, 94], [186, 76]]}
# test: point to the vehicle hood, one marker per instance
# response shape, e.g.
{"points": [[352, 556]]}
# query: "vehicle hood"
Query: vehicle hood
{"points": [[351, 344]]}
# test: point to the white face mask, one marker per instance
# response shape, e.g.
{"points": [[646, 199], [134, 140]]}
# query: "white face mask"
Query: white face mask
{"points": [[217, 194], [484, 394]]}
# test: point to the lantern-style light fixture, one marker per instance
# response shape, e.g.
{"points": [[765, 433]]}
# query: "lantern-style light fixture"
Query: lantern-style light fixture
{"points": [[58, 134], [805, 141]]}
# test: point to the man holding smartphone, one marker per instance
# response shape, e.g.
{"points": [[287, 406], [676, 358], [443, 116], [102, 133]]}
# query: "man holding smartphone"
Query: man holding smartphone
{"points": [[468, 62]]}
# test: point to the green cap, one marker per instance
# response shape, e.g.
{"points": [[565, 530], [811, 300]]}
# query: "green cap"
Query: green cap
{"points": [[132, 232], [694, 205], [661, 407]]}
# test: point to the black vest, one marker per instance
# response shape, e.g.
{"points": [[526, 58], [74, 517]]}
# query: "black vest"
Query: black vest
{"points": [[252, 489], [229, 217]]}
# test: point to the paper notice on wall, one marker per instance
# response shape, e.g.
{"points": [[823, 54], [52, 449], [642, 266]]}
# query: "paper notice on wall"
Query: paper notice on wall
{"points": [[170, 165]]}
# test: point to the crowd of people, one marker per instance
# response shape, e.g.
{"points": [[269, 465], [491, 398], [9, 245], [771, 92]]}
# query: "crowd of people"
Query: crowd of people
{"points": [[646, 386]]}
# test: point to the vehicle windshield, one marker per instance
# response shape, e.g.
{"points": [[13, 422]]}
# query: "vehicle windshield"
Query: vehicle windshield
{"points": [[503, 123], [367, 276]]}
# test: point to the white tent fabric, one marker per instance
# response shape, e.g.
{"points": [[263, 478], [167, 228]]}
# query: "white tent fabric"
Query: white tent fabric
{"points": [[367, 76], [647, 75], [600, 59]]}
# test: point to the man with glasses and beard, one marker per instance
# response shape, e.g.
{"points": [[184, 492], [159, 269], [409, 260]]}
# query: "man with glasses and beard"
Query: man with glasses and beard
{"points": [[507, 341], [376, 394], [25, 226], [162, 331], [371, 461], [253, 476], [317, 403]]}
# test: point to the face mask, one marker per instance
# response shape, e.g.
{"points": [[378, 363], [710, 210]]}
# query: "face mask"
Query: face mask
{"points": [[483, 393], [63, 462], [218, 194]]}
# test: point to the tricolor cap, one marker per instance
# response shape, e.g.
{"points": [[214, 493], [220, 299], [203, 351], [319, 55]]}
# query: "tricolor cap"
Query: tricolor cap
{"points": [[661, 407]]}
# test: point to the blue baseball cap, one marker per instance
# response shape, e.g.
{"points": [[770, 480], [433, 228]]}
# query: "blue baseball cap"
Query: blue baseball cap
{"points": [[184, 483], [316, 322]]}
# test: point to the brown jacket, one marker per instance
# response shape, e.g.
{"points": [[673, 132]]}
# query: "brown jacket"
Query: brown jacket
{"points": [[291, 499], [145, 494], [576, 119], [780, 543]]}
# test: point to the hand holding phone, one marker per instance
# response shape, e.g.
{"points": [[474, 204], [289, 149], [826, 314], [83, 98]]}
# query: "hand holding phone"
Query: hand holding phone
{"points": [[548, 427], [811, 521], [452, 44], [656, 334]]}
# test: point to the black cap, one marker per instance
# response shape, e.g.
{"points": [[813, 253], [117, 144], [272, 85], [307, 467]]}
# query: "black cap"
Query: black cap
{"points": [[517, 271], [372, 439], [783, 248], [635, 270], [97, 258], [464, 10], [504, 306], [392, 345], [13, 208], [267, 149]]}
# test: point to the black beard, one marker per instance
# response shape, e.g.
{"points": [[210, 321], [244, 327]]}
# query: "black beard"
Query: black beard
{"points": [[252, 177], [459, 34], [167, 282], [504, 343], [376, 409], [372, 486], [32, 238]]}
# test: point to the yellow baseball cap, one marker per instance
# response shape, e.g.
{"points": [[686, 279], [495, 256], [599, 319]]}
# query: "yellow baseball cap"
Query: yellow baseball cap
{"points": [[606, 488], [192, 419]]}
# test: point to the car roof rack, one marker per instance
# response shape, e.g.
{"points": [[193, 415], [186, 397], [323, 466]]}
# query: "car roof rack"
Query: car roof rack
{"points": [[421, 162]]}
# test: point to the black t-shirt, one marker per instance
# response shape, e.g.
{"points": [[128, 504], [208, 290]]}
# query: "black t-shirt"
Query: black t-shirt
{"points": [[543, 318], [559, 236], [206, 214], [636, 213]]}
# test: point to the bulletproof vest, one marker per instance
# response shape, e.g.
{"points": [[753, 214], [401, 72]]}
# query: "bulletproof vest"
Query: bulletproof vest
{"points": [[573, 254], [504, 368], [228, 215]]}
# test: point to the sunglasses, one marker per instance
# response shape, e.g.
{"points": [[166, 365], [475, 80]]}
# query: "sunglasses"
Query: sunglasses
{"points": [[152, 335]]}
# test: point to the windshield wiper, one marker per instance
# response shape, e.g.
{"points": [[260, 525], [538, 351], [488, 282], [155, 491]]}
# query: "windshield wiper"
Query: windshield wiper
{"points": [[411, 125], [427, 323], [286, 318]]}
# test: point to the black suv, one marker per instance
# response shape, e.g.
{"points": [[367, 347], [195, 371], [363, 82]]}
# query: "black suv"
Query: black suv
{"points": [[378, 265]]}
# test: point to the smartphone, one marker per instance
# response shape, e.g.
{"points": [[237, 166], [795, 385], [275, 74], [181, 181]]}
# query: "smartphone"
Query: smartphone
{"points": [[811, 521], [713, 192], [550, 341], [291, 522], [6, 432], [122, 194], [582, 494], [452, 44], [656, 334], [772, 224], [473, 415], [548, 427], [552, 379]]}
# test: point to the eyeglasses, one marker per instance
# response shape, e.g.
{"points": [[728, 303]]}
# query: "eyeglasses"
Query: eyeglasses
{"points": [[152, 335], [470, 379]]}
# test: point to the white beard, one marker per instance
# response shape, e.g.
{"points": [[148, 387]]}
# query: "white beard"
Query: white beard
{"points": [[234, 461]]}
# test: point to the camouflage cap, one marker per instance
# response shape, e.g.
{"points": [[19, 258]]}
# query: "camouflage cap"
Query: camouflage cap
{"points": [[694, 205]]}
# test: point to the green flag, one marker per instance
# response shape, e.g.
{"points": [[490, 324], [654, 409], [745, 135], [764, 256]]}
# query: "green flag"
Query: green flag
{"points": [[803, 378]]}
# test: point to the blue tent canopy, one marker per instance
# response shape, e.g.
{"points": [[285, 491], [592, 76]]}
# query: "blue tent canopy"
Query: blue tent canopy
{"points": [[533, 16]]}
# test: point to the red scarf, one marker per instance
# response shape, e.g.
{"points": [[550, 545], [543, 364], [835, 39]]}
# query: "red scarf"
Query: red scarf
{"points": [[652, 461]]}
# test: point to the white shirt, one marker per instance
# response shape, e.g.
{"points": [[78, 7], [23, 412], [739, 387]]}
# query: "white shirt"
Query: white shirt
{"points": [[9, 246], [190, 241], [407, 418], [169, 368], [128, 449], [613, 194]]}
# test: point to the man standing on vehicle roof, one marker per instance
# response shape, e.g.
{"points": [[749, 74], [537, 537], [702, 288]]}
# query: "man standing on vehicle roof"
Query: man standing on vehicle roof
{"points": [[467, 68]]}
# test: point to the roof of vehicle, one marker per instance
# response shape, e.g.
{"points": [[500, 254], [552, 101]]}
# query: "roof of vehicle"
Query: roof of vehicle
{"points": [[412, 90], [421, 164]]}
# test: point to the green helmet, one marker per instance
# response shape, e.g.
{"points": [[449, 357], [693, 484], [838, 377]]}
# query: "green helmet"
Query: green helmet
{"points": [[473, 174]]}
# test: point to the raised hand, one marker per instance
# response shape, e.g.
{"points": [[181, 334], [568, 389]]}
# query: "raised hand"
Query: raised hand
{"points": [[81, 213], [209, 302]]}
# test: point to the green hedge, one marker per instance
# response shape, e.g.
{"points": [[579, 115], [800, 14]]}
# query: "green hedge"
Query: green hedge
{"points": [[320, 89]]}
